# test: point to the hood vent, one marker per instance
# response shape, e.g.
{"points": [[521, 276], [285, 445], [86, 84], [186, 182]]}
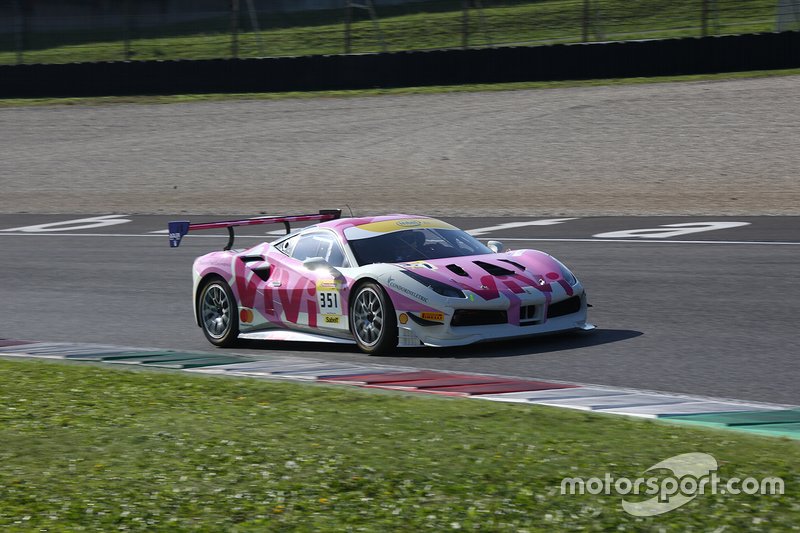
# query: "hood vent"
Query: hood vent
{"points": [[494, 270], [514, 263], [455, 269]]}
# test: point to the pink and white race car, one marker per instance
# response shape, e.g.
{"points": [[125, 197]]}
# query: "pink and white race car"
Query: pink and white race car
{"points": [[381, 282]]}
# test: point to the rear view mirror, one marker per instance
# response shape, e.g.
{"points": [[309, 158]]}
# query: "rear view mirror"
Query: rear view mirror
{"points": [[496, 246], [319, 263]]}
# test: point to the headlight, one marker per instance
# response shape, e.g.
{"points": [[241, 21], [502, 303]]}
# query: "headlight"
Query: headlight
{"points": [[436, 286], [566, 273]]}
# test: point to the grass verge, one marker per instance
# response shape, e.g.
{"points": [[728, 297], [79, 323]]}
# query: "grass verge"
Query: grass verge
{"points": [[416, 26], [438, 89], [94, 448]]}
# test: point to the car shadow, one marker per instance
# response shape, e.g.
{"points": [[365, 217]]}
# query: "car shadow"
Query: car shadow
{"points": [[556, 342]]}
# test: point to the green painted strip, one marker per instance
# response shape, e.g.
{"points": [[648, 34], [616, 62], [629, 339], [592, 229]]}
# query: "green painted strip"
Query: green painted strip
{"points": [[791, 431], [162, 358], [97, 356], [778, 423], [121, 355], [198, 362], [783, 430], [743, 418]]}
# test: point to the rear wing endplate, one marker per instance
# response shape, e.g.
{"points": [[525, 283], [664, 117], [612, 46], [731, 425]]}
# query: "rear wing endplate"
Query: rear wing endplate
{"points": [[179, 228]]}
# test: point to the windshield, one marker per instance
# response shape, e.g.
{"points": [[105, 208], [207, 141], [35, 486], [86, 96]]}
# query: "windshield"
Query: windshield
{"points": [[416, 245]]}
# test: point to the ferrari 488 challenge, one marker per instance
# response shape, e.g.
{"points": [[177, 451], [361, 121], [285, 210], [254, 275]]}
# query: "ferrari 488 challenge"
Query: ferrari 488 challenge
{"points": [[381, 282]]}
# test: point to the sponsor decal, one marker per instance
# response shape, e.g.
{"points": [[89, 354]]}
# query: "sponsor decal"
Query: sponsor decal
{"points": [[331, 319], [409, 223], [328, 284], [419, 264], [408, 292], [246, 316], [403, 318], [434, 317], [386, 226]]}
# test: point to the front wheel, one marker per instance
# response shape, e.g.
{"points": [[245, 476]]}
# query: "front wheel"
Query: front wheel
{"points": [[372, 319], [217, 310]]}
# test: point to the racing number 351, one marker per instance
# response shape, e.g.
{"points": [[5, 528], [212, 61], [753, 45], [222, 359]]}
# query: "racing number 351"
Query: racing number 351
{"points": [[329, 302], [329, 299]]}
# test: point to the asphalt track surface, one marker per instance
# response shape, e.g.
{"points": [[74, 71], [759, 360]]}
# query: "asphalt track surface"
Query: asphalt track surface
{"points": [[711, 313]]}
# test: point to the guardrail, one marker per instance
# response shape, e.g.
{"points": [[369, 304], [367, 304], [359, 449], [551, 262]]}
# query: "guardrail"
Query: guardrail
{"points": [[407, 69]]}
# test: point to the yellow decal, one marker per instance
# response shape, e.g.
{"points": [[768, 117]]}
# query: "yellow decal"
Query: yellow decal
{"points": [[387, 226], [434, 317], [419, 264], [403, 318], [330, 319], [328, 285]]}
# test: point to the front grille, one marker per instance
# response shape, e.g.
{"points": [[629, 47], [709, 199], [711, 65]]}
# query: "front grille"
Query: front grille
{"points": [[565, 307], [528, 315], [478, 317]]}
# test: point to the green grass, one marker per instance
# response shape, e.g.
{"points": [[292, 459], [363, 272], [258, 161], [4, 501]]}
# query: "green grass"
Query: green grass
{"points": [[85, 447], [413, 27], [438, 89]]}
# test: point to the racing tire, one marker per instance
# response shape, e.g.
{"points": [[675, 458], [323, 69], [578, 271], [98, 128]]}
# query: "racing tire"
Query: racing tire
{"points": [[218, 314], [373, 320]]}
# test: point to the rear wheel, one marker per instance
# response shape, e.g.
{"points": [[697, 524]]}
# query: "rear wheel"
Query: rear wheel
{"points": [[217, 310], [372, 319]]}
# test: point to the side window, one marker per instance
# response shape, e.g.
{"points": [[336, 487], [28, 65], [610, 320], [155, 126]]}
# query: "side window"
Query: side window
{"points": [[288, 245], [319, 245], [336, 257]]}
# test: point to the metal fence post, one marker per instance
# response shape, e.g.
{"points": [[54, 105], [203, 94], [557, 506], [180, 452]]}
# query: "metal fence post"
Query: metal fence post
{"points": [[126, 40], [585, 22], [348, 22], [704, 19], [19, 33], [234, 28], [465, 24]]}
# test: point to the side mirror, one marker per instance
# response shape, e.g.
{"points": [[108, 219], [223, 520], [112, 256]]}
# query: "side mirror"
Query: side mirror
{"points": [[319, 263], [496, 246]]}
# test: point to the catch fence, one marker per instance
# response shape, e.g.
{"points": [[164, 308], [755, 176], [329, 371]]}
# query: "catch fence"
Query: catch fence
{"points": [[131, 30]]}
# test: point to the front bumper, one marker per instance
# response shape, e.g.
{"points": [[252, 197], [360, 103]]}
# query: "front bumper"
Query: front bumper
{"points": [[445, 334]]}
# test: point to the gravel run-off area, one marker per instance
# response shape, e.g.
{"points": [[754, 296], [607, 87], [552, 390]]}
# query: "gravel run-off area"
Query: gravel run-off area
{"points": [[700, 148]]}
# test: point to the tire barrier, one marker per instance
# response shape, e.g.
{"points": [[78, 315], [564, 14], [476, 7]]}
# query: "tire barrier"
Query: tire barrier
{"points": [[663, 57]]}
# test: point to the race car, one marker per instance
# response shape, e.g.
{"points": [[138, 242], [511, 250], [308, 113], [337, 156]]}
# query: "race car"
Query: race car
{"points": [[380, 282]]}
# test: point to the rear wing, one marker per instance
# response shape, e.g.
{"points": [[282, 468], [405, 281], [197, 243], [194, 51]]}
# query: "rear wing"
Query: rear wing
{"points": [[179, 228]]}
